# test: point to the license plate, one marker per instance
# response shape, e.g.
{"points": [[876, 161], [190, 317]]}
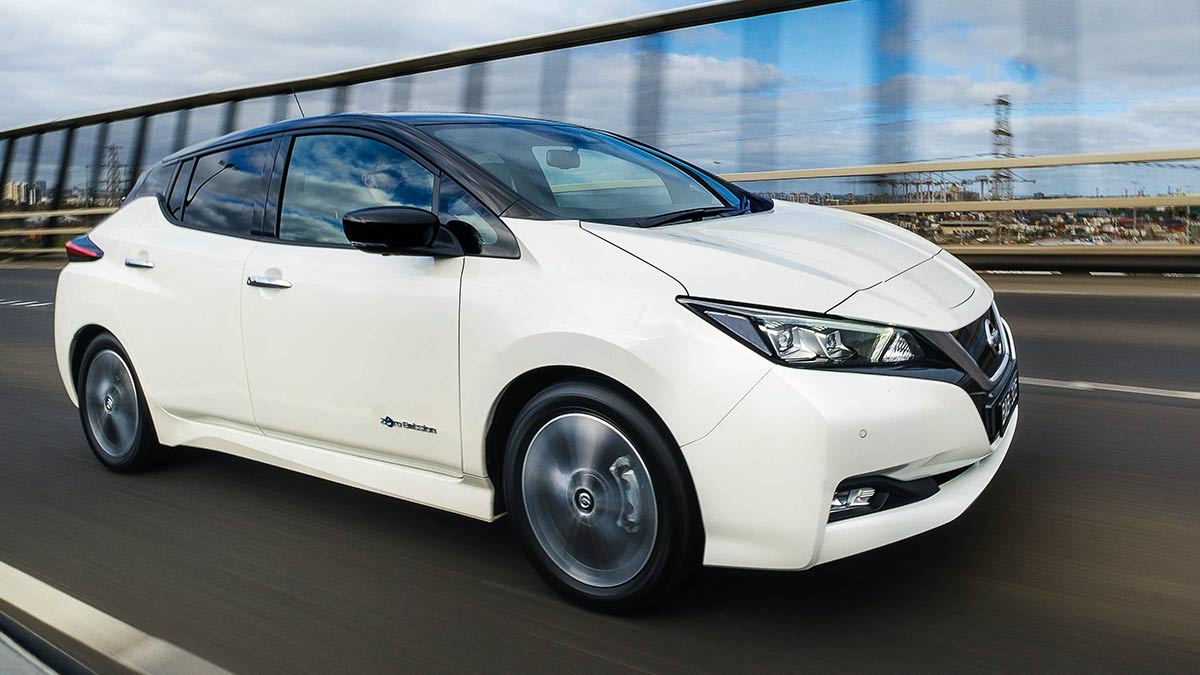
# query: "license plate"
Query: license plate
{"points": [[1008, 403]]}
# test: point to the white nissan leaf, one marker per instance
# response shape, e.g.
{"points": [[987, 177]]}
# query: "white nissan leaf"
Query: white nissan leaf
{"points": [[646, 367]]}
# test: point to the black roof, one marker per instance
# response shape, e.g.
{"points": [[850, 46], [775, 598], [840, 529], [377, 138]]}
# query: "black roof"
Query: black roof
{"points": [[496, 195], [367, 120], [419, 119]]}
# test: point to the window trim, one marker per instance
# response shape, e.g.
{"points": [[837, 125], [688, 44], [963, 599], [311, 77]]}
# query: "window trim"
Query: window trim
{"points": [[289, 140], [259, 204], [166, 202], [521, 207], [506, 245]]}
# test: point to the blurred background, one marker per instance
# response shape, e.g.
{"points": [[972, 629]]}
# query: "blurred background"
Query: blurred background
{"points": [[1044, 104]]}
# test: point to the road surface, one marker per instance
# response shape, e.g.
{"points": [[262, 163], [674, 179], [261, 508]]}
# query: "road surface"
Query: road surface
{"points": [[1083, 554]]}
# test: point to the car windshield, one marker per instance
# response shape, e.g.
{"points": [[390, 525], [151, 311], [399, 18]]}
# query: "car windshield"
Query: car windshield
{"points": [[576, 173]]}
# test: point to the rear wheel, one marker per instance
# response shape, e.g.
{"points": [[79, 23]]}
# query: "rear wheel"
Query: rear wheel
{"points": [[601, 498], [113, 409]]}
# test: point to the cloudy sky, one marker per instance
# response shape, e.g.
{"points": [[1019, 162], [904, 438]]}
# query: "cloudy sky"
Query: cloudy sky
{"points": [[67, 57], [856, 82]]}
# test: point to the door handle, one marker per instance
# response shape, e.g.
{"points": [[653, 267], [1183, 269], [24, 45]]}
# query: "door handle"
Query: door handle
{"points": [[267, 282], [140, 263]]}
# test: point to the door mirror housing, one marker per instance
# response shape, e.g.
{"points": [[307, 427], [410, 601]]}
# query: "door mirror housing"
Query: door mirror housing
{"points": [[399, 230]]}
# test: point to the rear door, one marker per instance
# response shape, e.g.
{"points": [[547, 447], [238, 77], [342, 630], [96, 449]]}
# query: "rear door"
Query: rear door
{"points": [[345, 350], [183, 279]]}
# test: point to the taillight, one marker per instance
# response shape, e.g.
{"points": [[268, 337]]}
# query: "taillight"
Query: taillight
{"points": [[83, 249]]}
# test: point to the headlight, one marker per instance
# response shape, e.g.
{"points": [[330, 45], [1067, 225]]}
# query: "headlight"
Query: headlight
{"points": [[812, 341]]}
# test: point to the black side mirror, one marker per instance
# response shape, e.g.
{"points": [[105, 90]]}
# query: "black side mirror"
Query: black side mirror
{"points": [[399, 230]]}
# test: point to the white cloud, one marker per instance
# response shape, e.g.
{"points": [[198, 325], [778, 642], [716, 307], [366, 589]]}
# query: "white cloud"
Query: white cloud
{"points": [[68, 57]]}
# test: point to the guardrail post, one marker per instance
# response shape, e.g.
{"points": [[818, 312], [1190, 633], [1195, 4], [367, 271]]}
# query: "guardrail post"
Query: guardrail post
{"points": [[97, 161], [139, 149], [230, 123], [552, 94], [9, 144], [758, 115], [64, 164], [340, 97], [1055, 23], [473, 87], [35, 153], [893, 93], [647, 93], [402, 93], [181, 129], [281, 106]]}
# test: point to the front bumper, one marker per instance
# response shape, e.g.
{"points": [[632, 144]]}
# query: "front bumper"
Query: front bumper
{"points": [[766, 474]]}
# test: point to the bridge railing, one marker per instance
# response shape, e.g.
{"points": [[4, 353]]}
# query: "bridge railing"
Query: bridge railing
{"points": [[41, 232], [60, 177]]}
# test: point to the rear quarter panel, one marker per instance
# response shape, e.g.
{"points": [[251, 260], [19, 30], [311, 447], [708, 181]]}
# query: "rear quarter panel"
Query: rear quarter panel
{"points": [[84, 295]]}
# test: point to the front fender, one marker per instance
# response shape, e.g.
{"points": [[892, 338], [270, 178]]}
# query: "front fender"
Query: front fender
{"points": [[573, 299]]}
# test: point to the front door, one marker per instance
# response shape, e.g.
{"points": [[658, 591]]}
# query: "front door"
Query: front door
{"points": [[346, 350]]}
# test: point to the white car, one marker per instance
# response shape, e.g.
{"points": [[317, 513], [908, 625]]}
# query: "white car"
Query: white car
{"points": [[645, 366]]}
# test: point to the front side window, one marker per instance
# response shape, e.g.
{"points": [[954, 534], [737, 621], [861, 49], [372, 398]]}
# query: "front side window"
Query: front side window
{"points": [[577, 173], [459, 206], [226, 189], [329, 176]]}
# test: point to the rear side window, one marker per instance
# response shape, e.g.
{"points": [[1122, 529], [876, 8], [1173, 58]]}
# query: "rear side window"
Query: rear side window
{"points": [[331, 175], [179, 190], [227, 190], [156, 181]]}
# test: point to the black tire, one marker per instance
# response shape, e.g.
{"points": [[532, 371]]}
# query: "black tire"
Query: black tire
{"points": [[109, 396], [677, 542]]}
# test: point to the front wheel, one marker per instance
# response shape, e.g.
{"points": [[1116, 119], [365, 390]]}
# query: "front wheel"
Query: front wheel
{"points": [[601, 497]]}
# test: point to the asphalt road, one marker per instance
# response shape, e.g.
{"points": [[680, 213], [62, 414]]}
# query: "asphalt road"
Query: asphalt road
{"points": [[1083, 554]]}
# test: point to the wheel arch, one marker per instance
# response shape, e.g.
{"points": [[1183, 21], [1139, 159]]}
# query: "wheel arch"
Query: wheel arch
{"points": [[524, 387], [79, 344]]}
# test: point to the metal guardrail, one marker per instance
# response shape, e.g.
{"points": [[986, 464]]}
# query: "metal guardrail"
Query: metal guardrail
{"points": [[981, 164], [1024, 257], [474, 59], [58, 213], [1050, 204], [1070, 258], [988, 164]]}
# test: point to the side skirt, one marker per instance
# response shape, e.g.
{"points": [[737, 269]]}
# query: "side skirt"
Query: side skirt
{"points": [[465, 494]]}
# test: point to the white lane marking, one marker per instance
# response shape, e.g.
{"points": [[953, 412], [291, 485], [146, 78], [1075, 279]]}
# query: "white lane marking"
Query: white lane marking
{"points": [[124, 644], [1023, 273], [1025, 291], [1119, 388], [25, 303]]}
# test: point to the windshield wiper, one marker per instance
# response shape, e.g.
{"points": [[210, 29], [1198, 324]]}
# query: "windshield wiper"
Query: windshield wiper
{"points": [[691, 214]]}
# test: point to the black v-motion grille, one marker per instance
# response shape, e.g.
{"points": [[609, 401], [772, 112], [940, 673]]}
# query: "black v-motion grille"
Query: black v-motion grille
{"points": [[974, 338]]}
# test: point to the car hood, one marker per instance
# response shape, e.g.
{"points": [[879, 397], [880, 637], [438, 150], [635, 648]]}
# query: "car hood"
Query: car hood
{"points": [[812, 259]]}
